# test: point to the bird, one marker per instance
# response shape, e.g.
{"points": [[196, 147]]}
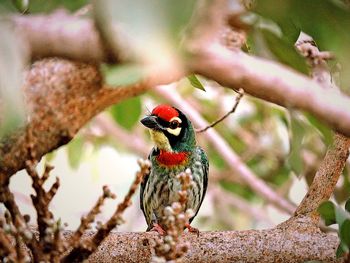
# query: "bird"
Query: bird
{"points": [[174, 151]]}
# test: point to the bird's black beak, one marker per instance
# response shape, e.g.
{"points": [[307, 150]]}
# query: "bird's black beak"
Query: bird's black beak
{"points": [[151, 122]]}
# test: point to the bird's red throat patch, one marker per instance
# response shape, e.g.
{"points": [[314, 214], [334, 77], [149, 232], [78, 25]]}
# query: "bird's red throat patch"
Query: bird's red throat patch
{"points": [[165, 112], [172, 158]]}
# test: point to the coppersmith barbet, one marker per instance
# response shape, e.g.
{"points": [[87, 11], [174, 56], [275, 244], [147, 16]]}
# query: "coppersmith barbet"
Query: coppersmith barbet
{"points": [[174, 151]]}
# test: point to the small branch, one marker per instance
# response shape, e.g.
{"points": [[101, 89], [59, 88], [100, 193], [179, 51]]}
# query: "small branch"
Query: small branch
{"points": [[327, 175], [240, 204], [7, 250], [130, 140], [334, 162], [231, 158], [85, 249], [238, 99], [85, 221]]}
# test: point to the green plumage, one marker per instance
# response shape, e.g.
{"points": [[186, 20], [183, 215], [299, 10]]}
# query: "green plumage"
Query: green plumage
{"points": [[160, 188]]}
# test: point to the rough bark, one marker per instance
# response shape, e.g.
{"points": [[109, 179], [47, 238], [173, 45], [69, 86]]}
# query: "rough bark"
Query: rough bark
{"points": [[299, 243], [62, 96], [327, 176]]}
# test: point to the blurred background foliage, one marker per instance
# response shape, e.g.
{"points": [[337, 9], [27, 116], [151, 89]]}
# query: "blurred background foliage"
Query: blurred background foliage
{"points": [[282, 146]]}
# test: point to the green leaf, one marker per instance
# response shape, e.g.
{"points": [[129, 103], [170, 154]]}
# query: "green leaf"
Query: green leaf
{"points": [[341, 215], [325, 130], [347, 205], [50, 156], [127, 113], [47, 6], [284, 51], [344, 234], [152, 34], [237, 189], [122, 75], [195, 82], [74, 151], [327, 212], [339, 251], [21, 5], [297, 130], [330, 34]]}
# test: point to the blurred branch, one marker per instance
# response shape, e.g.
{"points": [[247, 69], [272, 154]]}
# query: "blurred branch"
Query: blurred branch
{"points": [[86, 248], [273, 82], [129, 140], [60, 35], [52, 36], [231, 158], [240, 204]]}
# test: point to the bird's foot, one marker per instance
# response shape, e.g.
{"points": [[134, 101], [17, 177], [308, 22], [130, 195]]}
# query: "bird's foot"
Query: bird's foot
{"points": [[192, 229], [156, 227]]}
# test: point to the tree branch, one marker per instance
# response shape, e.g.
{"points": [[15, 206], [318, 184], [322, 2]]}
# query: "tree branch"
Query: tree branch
{"points": [[273, 82], [296, 241], [327, 176], [53, 36], [334, 162], [60, 35], [59, 106]]}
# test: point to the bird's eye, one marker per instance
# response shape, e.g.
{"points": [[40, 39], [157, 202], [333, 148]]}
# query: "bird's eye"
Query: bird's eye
{"points": [[174, 124]]}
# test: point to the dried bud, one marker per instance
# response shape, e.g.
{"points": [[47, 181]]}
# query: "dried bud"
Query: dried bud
{"points": [[166, 248], [171, 219], [181, 218], [168, 211], [176, 207], [120, 221], [26, 218], [168, 239], [189, 213], [27, 234], [48, 231]]}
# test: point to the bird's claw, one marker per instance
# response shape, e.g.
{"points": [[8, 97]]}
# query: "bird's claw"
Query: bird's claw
{"points": [[192, 229], [156, 227]]}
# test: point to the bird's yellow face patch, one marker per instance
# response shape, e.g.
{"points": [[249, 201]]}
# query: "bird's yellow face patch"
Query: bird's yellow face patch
{"points": [[160, 140]]}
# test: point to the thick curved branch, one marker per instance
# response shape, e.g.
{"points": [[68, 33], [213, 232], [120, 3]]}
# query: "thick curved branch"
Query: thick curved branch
{"points": [[327, 176], [289, 242], [60, 35], [273, 82], [71, 37], [62, 96]]}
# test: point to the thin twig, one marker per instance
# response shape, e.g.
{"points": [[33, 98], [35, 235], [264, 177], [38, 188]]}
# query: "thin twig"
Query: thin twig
{"points": [[85, 221], [238, 99], [85, 249], [231, 158]]}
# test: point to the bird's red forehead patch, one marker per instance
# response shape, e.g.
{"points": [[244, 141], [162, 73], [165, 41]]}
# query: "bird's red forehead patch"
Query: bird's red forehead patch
{"points": [[165, 112]]}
